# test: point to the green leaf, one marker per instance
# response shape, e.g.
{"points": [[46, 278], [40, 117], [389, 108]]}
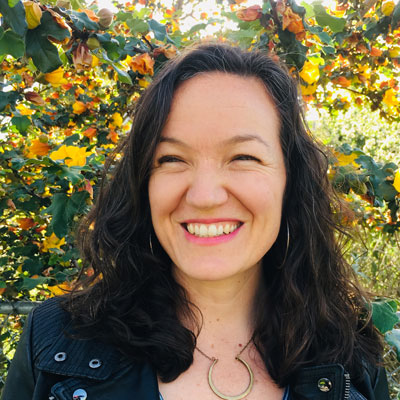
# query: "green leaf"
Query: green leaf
{"points": [[324, 19], [160, 31], [8, 98], [1, 32], [137, 25], [296, 8], [384, 314], [3, 285], [77, 4], [122, 75], [30, 283], [14, 16], [196, 28], [73, 173], [32, 265], [44, 54], [309, 9], [82, 21], [328, 50], [63, 209], [21, 123], [393, 338], [396, 15], [12, 3], [11, 43], [294, 51]]}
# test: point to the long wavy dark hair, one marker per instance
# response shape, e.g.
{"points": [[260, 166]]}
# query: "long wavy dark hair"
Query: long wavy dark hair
{"points": [[308, 311]]}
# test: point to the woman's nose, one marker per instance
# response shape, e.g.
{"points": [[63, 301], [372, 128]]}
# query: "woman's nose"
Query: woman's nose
{"points": [[206, 190]]}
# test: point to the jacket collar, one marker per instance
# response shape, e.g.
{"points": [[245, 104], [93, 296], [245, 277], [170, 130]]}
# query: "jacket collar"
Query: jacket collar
{"points": [[80, 358]]}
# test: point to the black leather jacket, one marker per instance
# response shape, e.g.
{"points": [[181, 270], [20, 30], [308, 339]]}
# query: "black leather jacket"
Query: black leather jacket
{"points": [[51, 366]]}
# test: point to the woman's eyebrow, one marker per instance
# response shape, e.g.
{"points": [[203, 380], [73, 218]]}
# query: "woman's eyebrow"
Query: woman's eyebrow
{"points": [[237, 139], [246, 138], [172, 140]]}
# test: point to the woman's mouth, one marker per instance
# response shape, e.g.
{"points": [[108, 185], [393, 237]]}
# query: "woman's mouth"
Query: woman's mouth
{"points": [[212, 230]]}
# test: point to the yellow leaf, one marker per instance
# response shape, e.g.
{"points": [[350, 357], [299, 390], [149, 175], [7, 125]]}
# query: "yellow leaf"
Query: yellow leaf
{"points": [[396, 182], [52, 242], [310, 72], [72, 155], [60, 289], [33, 14]]}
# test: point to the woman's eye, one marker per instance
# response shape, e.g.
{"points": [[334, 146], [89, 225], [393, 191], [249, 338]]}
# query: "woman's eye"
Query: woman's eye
{"points": [[168, 159], [245, 157]]}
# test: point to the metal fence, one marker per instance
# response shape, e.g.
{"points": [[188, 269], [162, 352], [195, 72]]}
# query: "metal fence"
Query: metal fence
{"points": [[13, 314]]}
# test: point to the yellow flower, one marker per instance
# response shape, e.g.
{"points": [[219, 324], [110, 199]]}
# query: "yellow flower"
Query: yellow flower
{"points": [[309, 73], [24, 110], [52, 242], [72, 155], [387, 7], [33, 14], [79, 107], [390, 98], [396, 182], [117, 119], [95, 61], [143, 83], [307, 90], [346, 159], [56, 77]]}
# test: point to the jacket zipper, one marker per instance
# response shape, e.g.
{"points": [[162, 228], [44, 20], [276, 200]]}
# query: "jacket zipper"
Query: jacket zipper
{"points": [[346, 386]]}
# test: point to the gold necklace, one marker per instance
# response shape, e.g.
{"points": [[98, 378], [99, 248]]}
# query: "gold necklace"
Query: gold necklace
{"points": [[211, 383]]}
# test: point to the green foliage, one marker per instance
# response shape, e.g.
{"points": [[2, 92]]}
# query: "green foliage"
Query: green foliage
{"points": [[68, 87]]}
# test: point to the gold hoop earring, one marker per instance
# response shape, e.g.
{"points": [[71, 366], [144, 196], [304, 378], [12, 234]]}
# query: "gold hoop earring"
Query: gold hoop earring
{"points": [[151, 245], [287, 245]]}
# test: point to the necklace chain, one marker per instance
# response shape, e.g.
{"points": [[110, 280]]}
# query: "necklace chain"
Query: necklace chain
{"points": [[213, 358]]}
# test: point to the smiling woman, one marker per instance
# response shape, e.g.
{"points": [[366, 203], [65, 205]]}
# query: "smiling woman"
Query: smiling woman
{"points": [[218, 270]]}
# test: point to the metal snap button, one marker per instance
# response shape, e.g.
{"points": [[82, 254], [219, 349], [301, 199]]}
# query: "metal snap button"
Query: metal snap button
{"points": [[79, 394], [324, 385], [95, 363], [61, 356]]}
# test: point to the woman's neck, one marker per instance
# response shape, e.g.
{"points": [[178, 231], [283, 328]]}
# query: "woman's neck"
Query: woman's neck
{"points": [[224, 308]]}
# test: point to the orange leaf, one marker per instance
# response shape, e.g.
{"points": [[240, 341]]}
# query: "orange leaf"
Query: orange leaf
{"points": [[38, 148], [90, 133], [143, 64], [250, 13], [26, 223]]}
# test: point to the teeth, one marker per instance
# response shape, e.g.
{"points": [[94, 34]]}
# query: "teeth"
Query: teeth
{"points": [[202, 230]]}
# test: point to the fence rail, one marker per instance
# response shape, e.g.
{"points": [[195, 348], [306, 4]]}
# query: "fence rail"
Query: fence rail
{"points": [[13, 314]]}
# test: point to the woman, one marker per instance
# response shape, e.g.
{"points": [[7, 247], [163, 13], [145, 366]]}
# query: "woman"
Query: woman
{"points": [[214, 240]]}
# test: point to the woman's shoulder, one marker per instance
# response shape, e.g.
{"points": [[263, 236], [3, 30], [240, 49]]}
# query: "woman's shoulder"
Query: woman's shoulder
{"points": [[56, 349]]}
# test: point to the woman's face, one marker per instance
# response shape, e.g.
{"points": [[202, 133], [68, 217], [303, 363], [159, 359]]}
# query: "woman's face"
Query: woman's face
{"points": [[218, 180]]}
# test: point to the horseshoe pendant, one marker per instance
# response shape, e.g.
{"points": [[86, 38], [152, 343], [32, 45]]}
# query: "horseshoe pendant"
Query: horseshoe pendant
{"points": [[224, 396]]}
